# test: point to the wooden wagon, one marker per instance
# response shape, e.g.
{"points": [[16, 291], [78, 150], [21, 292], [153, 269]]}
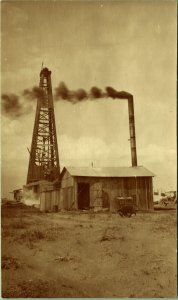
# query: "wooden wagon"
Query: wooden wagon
{"points": [[126, 206]]}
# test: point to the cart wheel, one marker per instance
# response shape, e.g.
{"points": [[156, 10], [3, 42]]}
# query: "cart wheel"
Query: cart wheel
{"points": [[129, 215], [120, 213]]}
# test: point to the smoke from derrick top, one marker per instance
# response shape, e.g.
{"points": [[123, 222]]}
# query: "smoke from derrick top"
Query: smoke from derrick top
{"points": [[11, 105], [15, 106]]}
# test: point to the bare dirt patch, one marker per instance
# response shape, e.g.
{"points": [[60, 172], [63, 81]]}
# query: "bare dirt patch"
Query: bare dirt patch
{"points": [[77, 254]]}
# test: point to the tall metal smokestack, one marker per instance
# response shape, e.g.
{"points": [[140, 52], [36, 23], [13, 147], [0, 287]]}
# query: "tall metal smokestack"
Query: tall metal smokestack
{"points": [[132, 131]]}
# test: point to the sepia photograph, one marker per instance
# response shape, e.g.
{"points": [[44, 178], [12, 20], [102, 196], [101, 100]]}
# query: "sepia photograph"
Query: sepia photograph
{"points": [[88, 149]]}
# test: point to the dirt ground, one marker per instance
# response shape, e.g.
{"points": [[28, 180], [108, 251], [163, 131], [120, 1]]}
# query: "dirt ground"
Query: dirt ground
{"points": [[85, 254]]}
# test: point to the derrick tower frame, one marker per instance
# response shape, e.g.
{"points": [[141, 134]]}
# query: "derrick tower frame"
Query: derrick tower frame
{"points": [[44, 157]]}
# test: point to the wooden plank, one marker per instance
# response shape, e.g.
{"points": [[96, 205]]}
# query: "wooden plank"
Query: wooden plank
{"points": [[42, 201], [67, 180], [75, 194]]}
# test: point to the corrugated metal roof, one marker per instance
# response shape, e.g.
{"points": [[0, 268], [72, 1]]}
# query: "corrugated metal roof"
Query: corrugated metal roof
{"points": [[110, 171]]}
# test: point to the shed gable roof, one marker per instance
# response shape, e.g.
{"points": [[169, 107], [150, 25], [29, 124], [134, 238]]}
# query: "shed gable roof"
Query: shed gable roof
{"points": [[108, 172]]}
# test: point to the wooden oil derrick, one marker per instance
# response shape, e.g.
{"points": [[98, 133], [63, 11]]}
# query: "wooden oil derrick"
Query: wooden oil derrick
{"points": [[44, 158]]}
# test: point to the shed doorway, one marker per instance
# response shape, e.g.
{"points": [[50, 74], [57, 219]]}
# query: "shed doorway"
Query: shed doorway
{"points": [[83, 195]]}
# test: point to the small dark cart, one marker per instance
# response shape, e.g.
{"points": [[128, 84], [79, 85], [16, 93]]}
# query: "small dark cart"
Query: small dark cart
{"points": [[126, 206]]}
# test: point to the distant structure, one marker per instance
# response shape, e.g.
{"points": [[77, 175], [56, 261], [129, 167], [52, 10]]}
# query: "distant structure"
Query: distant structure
{"points": [[18, 195], [44, 158]]}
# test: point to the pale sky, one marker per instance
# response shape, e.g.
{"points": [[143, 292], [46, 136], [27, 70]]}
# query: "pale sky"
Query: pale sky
{"points": [[129, 45]]}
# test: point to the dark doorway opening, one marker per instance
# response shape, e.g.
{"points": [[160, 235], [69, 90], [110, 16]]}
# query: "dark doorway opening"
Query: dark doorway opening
{"points": [[83, 195]]}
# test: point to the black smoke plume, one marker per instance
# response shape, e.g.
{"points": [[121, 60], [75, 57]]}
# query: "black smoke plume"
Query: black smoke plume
{"points": [[112, 93], [11, 105], [80, 94], [62, 92], [17, 105], [34, 93], [96, 93]]}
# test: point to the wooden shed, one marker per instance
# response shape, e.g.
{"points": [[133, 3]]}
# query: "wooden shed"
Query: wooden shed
{"points": [[43, 194], [85, 187]]}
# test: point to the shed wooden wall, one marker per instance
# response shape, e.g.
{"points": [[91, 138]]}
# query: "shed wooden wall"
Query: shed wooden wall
{"points": [[67, 192], [49, 200], [104, 190]]}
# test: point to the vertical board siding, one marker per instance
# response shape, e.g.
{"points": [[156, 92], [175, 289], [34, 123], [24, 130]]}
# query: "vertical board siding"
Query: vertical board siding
{"points": [[145, 193], [67, 198], [49, 200], [150, 193], [75, 197], [67, 180], [96, 194], [61, 199], [70, 198], [42, 201], [66, 194]]}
